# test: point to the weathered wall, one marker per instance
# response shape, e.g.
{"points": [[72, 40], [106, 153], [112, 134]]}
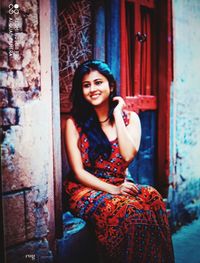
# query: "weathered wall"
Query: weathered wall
{"points": [[26, 127], [185, 107], [75, 42]]}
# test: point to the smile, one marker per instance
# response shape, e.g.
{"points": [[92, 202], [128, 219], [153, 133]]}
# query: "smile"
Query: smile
{"points": [[95, 96]]}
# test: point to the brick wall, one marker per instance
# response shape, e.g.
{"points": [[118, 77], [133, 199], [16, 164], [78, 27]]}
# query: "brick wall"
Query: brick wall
{"points": [[26, 140], [184, 196]]}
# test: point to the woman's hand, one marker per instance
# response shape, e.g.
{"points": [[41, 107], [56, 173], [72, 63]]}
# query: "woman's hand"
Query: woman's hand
{"points": [[121, 104], [127, 188]]}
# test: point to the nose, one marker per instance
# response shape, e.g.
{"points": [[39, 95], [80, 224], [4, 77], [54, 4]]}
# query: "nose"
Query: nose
{"points": [[92, 87]]}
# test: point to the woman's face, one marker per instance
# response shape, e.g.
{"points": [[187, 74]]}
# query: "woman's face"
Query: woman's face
{"points": [[96, 89]]}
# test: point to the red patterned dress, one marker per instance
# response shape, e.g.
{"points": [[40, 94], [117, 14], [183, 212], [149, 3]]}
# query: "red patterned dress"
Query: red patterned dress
{"points": [[129, 229]]}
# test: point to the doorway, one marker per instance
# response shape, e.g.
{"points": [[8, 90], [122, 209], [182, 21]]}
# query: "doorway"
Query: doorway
{"points": [[144, 64]]}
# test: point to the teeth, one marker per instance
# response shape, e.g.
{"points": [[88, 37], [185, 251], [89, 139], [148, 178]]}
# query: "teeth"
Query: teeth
{"points": [[95, 96]]}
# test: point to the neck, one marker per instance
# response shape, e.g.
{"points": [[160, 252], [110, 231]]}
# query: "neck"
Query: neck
{"points": [[102, 113], [104, 121]]}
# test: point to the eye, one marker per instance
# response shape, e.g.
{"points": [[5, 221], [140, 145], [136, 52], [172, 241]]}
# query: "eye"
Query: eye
{"points": [[85, 85], [98, 82]]}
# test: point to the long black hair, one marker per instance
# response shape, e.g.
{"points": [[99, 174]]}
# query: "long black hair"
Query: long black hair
{"points": [[84, 113]]}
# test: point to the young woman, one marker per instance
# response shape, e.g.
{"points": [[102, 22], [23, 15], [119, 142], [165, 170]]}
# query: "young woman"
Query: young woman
{"points": [[102, 138]]}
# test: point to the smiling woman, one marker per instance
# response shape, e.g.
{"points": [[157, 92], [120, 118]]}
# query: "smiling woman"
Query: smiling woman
{"points": [[96, 89], [102, 138]]}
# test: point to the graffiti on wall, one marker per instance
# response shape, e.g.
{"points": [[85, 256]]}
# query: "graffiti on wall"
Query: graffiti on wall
{"points": [[75, 43]]}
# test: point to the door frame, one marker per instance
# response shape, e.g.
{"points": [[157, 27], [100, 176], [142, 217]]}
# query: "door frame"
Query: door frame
{"points": [[50, 81], [165, 79]]}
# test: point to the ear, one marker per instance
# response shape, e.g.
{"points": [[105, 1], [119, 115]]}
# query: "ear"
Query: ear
{"points": [[111, 88]]}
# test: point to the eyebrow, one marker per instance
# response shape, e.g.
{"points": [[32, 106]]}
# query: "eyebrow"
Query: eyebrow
{"points": [[86, 81]]}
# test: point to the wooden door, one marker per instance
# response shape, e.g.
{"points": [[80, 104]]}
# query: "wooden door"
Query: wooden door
{"points": [[144, 84]]}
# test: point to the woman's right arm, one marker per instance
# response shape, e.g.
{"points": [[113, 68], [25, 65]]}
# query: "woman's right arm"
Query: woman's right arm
{"points": [[75, 160]]}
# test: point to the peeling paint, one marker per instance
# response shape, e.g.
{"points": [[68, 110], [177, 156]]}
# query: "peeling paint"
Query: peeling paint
{"points": [[185, 108]]}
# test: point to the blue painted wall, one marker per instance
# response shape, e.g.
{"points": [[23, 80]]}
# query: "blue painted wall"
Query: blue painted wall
{"points": [[107, 35], [184, 196]]}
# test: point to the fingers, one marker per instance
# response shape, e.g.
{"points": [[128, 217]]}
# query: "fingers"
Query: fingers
{"points": [[121, 104], [119, 99], [128, 188]]}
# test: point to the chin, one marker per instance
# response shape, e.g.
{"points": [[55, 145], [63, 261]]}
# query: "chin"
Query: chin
{"points": [[96, 102]]}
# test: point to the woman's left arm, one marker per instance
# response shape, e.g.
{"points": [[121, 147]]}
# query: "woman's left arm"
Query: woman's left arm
{"points": [[128, 136]]}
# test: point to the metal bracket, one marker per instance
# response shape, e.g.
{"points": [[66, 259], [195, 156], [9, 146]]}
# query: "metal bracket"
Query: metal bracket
{"points": [[141, 37]]}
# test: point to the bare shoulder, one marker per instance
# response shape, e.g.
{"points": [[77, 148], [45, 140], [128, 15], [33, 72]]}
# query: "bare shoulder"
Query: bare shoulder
{"points": [[70, 122], [133, 116], [134, 126], [70, 126]]}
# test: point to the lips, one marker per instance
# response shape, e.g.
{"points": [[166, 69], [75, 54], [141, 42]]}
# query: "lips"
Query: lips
{"points": [[95, 96]]}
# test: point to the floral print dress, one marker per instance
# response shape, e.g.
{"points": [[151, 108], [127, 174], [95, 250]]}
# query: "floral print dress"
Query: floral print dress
{"points": [[129, 229]]}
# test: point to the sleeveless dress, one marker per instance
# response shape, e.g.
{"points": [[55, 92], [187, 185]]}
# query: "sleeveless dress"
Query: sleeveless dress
{"points": [[129, 229]]}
